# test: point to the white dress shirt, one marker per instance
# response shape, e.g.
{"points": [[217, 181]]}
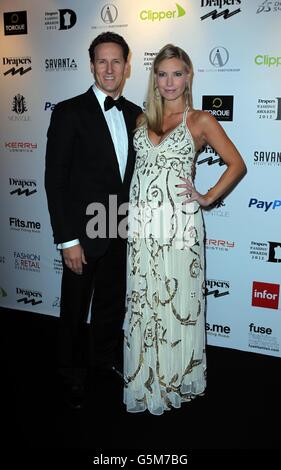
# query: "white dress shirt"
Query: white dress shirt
{"points": [[118, 131]]}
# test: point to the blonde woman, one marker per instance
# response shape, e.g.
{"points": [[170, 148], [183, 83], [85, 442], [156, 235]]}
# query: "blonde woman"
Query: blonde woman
{"points": [[164, 348]]}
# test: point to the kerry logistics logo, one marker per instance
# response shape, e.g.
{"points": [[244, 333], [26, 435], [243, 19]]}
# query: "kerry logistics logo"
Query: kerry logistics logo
{"points": [[153, 15]]}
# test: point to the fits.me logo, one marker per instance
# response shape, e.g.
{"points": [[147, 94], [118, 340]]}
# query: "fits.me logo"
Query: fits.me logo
{"points": [[265, 295]]}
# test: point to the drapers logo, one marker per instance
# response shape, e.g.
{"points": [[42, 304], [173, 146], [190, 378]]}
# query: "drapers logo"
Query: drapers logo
{"points": [[269, 158], [22, 187], [220, 106], [28, 296], [269, 6], [24, 225], [15, 22], [49, 106], [218, 330], [60, 20], [109, 13], [215, 14], [212, 159], [267, 60], [269, 109], [17, 65], [3, 293], [153, 15], [20, 146], [265, 295], [27, 261], [218, 245], [266, 251], [216, 287], [19, 107], [264, 205], [65, 64]]}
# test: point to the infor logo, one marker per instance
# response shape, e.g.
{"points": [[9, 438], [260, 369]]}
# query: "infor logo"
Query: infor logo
{"points": [[265, 295]]}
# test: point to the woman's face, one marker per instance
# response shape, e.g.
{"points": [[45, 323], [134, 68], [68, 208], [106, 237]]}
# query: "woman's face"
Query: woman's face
{"points": [[171, 78]]}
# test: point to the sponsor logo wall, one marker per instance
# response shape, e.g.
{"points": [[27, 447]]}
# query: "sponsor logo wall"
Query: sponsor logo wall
{"points": [[44, 60]]}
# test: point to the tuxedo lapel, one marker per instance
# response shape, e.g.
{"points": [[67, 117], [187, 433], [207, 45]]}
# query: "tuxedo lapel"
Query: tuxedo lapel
{"points": [[130, 125], [104, 132]]}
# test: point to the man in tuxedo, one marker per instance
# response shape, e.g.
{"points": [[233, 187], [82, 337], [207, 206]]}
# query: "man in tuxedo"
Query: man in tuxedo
{"points": [[90, 159]]}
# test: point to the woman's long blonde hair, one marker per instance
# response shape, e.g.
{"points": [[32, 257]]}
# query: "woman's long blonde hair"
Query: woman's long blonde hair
{"points": [[153, 115]]}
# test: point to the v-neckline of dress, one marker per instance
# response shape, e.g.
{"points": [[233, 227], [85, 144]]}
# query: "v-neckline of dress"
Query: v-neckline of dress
{"points": [[169, 133]]}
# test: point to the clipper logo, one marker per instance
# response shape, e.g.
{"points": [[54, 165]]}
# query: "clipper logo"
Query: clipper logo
{"points": [[216, 159], [29, 297], [22, 187], [150, 15], [214, 14], [60, 20], [60, 64], [267, 60], [109, 13], [15, 22], [18, 62], [220, 106], [265, 205], [265, 295], [217, 288]]}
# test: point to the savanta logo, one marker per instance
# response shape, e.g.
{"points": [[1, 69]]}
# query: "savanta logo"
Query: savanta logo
{"points": [[153, 15]]}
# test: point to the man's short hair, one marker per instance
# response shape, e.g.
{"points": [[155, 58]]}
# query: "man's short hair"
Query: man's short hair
{"points": [[109, 37]]}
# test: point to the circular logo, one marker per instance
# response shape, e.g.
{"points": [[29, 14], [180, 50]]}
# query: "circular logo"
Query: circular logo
{"points": [[219, 56], [14, 18], [109, 13], [217, 102]]}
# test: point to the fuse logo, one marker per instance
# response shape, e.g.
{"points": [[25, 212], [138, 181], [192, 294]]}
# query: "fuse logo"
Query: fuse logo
{"points": [[265, 295]]}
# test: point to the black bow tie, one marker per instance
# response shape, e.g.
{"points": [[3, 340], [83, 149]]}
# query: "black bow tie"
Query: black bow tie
{"points": [[109, 102]]}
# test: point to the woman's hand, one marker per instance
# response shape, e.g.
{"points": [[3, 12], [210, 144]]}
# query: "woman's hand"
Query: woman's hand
{"points": [[192, 194]]}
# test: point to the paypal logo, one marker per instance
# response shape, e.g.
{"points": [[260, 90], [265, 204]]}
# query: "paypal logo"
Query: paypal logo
{"points": [[265, 205]]}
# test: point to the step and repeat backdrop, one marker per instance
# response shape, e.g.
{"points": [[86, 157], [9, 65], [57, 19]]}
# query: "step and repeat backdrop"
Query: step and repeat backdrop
{"points": [[235, 49]]}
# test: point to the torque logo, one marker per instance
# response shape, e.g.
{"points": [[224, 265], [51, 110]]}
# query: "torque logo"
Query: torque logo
{"points": [[15, 22], [265, 295]]}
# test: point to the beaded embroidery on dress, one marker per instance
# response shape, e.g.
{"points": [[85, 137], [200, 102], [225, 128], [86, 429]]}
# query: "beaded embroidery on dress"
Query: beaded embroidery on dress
{"points": [[164, 327]]}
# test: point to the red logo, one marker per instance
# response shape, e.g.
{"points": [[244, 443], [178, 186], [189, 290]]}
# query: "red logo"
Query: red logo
{"points": [[265, 295]]}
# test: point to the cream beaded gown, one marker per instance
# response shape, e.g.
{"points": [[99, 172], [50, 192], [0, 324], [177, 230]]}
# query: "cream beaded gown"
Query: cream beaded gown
{"points": [[164, 327]]}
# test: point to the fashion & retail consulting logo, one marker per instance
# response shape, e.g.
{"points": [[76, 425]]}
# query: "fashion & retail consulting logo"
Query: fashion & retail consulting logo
{"points": [[60, 19], [265, 294], [220, 106], [26, 261], [160, 15], [215, 14], [17, 65], [15, 22], [269, 6]]}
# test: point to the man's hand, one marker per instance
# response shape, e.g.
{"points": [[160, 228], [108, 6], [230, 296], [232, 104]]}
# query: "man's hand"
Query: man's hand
{"points": [[74, 258]]}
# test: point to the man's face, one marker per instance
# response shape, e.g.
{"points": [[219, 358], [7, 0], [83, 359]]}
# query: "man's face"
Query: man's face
{"points": [[109, 68]]}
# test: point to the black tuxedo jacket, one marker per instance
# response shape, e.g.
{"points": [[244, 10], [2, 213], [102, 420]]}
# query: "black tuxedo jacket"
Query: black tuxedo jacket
{"points": [[82, 167]]}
